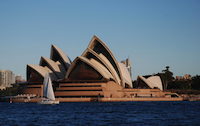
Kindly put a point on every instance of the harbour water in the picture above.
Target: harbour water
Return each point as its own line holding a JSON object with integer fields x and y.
{"x": 101, "y": 113}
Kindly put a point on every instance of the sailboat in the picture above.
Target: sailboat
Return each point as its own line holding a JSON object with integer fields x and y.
{"x": 48, "y": 94}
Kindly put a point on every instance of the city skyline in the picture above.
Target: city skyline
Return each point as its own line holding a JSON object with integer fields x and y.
{"x": 153, "y": 34}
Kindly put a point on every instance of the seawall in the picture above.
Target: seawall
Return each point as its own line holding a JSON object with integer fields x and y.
{"x": 101, "y": 99}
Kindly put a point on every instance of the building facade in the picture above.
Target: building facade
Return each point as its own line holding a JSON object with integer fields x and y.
{"x": 7, "y": 77}
{"x": 2, "y": 78}
{"x": 185, "y": 77}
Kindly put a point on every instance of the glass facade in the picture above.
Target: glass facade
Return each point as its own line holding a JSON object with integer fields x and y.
{"x": 82, "y": 71}
{"x": 142, "y": 84}
{"x": 34, "y": 76}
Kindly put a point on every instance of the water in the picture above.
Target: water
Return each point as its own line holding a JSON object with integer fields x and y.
{"x": 110, "y": 113}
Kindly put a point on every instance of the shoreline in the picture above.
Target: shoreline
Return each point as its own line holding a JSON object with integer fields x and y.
{"x": 182, "y": 97}
{"x": 34, "y": 100}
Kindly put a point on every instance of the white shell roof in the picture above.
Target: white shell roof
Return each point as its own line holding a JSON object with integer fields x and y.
{"x": 63, "y": 55}
{"x": 146, "y": 81}
{"x": 53, "y": 66}
{"x": 153, "y": 81}
{"x": 96, "y": 67}
{"x": 42, "y": 71}
{"x": 111, "y": 68}
{"x": 156, "y": 81}
{"x": 62, "y": 68}
{"x": 91, "y": 46}
{"x": 102, "y": 67}
{"x": 105, "y": 61}
{"x": 126, "y": 74}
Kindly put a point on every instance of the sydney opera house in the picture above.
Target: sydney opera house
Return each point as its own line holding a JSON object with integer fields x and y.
{"x": 94, "y": 74}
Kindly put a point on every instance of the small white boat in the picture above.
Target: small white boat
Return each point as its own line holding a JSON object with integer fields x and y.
{"x": 47, "y": 101}
{"x": 48, "y": 94}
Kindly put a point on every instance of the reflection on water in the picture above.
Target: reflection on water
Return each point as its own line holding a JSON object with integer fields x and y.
{"x": 110, "y": 113}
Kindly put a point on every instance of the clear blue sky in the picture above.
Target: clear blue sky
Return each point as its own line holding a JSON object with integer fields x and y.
{"x": 153, "y": 33}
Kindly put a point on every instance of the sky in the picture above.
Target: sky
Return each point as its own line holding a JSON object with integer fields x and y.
{"x": 152, "y": 33}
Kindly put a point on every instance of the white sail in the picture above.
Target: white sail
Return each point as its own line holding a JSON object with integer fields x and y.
{"x": 45, "y": 82}
{"x": 47, "y": 87}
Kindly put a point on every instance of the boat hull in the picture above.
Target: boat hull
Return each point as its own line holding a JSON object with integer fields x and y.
{"x": 48, "y": 102}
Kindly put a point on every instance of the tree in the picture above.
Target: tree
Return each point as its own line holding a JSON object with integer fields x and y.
{"x": 167, "y": 77}
{"x": 196, "y": 82}
{"x": 182, "y": 84}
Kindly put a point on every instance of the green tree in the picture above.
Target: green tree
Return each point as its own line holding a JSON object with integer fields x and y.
{"x": 182, "y": 85}
{"x": 196, "y": 82}
{"x": 167, "y": 77}
{"x": 9, "y": 91}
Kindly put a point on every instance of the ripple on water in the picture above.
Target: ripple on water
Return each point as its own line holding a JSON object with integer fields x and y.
{"x": 114, "y": 113}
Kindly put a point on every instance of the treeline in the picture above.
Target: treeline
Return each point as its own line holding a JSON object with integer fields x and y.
{"x": 9, "y": 91}
{"x": 196, "y": 82}
{"x": 183, "y": 85}
{"x": 193, "y": 84}
{"x": 169, "y": 81}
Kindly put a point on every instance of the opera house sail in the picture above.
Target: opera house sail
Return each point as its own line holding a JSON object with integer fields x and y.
{"x": 57, "y": 66}
{"x": 94, "y": 74}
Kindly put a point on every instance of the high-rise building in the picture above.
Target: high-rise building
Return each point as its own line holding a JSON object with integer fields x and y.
{"x": 128, "y": 65}
{"x": 7, "y": 77}
{"x": 2, "y": 78}
{"x": 10, "y": 78}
